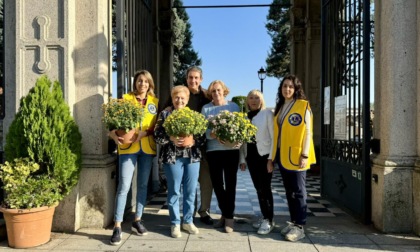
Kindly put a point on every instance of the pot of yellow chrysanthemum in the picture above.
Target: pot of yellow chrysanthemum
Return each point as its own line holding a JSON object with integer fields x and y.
{"x": 124, "y": 116}
{"x": 185, "y": 123}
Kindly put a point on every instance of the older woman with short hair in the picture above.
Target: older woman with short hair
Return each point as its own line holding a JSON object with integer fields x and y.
{"x": 223, "y": 160}
{"x": 181, "y": 163}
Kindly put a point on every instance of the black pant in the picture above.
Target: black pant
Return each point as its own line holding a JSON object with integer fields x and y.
{"x": 257, "y": 166}
{"x": 224, "y": 164}
{"x": 295, "y": 185}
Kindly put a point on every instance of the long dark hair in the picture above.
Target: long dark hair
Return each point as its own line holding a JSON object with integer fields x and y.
{"x": 298, "y": 94}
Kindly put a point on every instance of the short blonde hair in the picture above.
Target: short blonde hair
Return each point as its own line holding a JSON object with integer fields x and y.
{"x": 180, "y": 89}
{"x": 224, "y": 87}
{"x": 257, "y": 93}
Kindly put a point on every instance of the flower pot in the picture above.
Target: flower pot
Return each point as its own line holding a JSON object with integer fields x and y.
{"x": 235, "y": 145}
{"x": 188, "y": 140}
{"x": 28, "y": 227}
{"x": 128, "y": 137}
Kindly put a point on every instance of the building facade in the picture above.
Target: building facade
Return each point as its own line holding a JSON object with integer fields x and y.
{"x": 71, "y": 41}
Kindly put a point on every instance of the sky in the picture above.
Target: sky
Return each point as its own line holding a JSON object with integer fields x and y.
{"x": 233, "y": 44}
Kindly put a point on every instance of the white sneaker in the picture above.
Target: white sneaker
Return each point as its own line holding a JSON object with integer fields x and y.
{"x": 266, "y": 227}
{"x": 286, "y": 229}
{"x": 190, "y": 228}
{"x": 295, "y": 234}
{"x": 258, "y": 223}
{"x": 176, "y": 231}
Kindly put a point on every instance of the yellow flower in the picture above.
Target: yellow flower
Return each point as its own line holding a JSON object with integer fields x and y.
{"x": 122, "y": 114}
{"x": 184, "y": 122}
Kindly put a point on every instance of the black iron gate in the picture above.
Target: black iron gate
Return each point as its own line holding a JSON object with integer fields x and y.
{"x": 346, "y": 131}
{"x": 134, "y": 37}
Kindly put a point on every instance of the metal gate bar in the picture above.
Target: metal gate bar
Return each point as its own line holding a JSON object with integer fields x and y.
{"x": 345, "y": 139}
{"x": 134, "y": 37}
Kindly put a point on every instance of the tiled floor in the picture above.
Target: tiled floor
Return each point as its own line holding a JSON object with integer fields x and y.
{"x": 247, "y": 201}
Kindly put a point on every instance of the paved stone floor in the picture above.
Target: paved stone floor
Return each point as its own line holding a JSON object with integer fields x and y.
{"x": 328, "y": 229}
{"x": 247, "y": 201}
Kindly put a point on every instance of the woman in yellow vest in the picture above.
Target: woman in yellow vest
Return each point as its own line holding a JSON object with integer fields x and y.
{"x": 293, "y": 150}
{"x": 140, "y": 153}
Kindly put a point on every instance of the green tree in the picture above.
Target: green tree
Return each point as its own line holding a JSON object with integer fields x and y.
{"x": 241, "y": 101}
{"x": 278, "y": 27}
{"x": 184, "y": 53}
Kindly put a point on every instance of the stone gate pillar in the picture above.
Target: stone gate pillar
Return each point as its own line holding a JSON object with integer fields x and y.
{"x": 416, "y": 174}
{"x": 70, "y": 41}
{"x": 396, "y": 115}
{"x": 305, "y": 60}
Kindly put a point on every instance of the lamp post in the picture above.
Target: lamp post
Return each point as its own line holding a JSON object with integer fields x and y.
{"x": 261, "y": 75}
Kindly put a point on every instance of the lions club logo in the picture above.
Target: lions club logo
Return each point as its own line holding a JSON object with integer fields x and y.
{"x": 295, "y": 119}
{"x": 152, "y": 109}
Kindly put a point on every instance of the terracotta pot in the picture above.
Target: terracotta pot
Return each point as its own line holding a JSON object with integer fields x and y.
{"x": 188, "y": 140}
{"x": 28, "y": 228}
{"x": 232, "y": 145}
{"x": 129, "y": 137}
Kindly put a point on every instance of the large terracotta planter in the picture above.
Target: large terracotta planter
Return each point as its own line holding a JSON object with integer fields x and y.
{"x": 28, "y": 227}
{"x": 128, "y": 137}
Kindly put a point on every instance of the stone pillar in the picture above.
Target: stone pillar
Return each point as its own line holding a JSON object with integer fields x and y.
{"x": 396, "y": 87}
{"x": 70, "y": 42}
{"x": 416, "y": 174}
{"x": 306, "y": 53}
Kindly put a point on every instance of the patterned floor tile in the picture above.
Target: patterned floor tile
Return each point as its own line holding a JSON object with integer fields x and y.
{"x": 247, "y": 201}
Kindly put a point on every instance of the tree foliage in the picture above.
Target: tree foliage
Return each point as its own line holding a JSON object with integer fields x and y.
{"x": 45, "y": 131}
{"x": 184, "y": 53}
{"x": 278, "y": 27}
{"x": 241, "y": 101}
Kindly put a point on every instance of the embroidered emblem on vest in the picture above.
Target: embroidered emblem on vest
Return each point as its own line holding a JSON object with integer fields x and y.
{"x": 152, "y": 109}
{"x": 295, "y": 119}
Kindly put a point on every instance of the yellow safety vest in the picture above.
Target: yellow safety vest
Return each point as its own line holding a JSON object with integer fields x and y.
{"x": 147, "y": 144}
{"x": 292, "y": 136}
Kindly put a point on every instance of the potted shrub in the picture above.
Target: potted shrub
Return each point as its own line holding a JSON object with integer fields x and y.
{"x": 43, "y": 154}
{"x": 123, "y": 116}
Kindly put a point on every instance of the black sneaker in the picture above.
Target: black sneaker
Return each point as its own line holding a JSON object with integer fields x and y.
{"x": 116, "y": 236}
{"x": 207, "y": 220}
{"x": 139, "y": 227}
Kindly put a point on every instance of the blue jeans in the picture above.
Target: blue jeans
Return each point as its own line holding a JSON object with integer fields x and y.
{"x": 127, "y": 164}
{"x": 186, "y": 173}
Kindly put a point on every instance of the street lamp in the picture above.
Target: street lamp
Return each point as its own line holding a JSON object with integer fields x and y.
{"x": 261, "y": 75}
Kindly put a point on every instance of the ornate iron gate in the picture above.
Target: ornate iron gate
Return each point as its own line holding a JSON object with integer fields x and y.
{"x": 346, "y": 134}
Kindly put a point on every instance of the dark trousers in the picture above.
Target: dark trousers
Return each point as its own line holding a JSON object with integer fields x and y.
{"x": 223, "y": 173}
{"x": 295, "y": 185}
{"x": 257, "y": 166}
